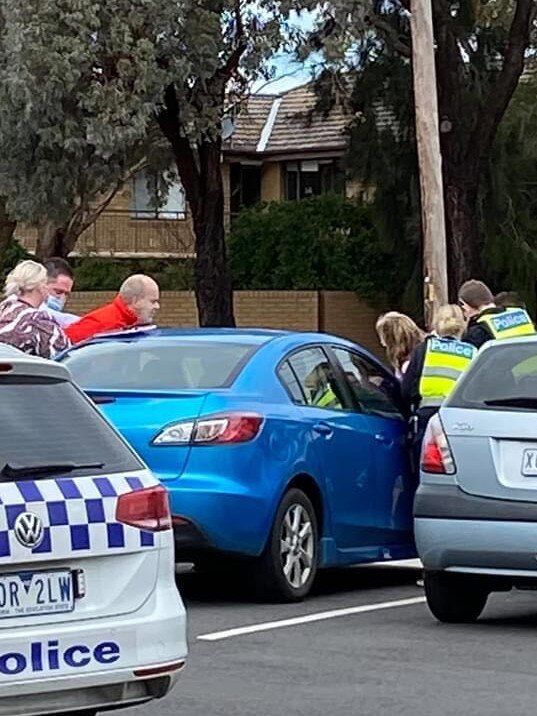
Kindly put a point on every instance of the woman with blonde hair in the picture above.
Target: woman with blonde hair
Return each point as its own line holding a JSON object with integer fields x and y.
{"x": 22, "y": 324}
{"x": 399, "y": 336}
{"x": 434, "y": 369}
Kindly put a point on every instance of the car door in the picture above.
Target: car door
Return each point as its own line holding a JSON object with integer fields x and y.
{"x": 390, "y": 489}
{"x": 340, "y": 440}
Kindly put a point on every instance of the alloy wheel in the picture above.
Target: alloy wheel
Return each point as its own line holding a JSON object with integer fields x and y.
{"x": 297, "y": 546}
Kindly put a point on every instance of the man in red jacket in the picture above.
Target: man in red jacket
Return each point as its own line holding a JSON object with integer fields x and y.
{"x": 135, "y": 305}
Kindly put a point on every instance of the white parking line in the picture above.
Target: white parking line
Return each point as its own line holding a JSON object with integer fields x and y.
{"x": 308, "y": 618}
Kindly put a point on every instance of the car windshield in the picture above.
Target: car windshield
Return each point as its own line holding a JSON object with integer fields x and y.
{"x": 49, "y": 426}
{"x": 503, "y": 378}
{"x": 158, "y": 365}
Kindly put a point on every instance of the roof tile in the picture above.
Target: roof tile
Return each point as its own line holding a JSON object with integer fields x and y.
{"x": 296, "y": 127}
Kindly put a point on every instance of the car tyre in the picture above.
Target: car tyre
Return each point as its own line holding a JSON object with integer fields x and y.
{"x": 286, "y": 570}
{"x": 454, "y": 599}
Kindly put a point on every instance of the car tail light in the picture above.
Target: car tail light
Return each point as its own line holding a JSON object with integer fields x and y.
{"x": 147, "y": 509}
{"x": 215, "y": 430}
{"x": 436, "y": 456}
{"x": 156, "y": 670}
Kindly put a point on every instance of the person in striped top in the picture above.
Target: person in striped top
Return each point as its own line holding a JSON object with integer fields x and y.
{"x": 22, "y": 324}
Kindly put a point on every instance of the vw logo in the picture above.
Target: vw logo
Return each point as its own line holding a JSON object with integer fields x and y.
{"x": 29, "y": 530}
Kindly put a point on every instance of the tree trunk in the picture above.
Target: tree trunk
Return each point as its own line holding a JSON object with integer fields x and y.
{"x": 7, "y": 229}
{"x": 462, "y": 232}
{"x": 199, "y": 167}
{"x": 50, "y": 241}
{"x": 214, "y": 294}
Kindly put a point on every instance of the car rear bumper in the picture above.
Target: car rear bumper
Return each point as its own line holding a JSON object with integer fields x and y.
{"x": 450, "y": 502}
{"x": 53, "y": 668}
{"x": 494, "y": 547}
{"x": 231, "y": 520}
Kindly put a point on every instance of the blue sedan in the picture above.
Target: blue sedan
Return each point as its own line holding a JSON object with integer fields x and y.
{"x": 288, "y": 449}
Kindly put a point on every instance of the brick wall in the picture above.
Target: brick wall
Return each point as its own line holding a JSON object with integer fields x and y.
{"x": 339, "y": 312}
{"x": 344, "y": 314}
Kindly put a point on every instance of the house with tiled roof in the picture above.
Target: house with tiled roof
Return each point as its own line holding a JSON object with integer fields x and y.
{"x": 279, "y": 148}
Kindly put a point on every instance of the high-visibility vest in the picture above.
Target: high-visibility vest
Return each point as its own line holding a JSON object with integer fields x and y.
{"x": 511, "y": 323}
{"x": 445, "y": 361}
{"x": 326, "y": 399}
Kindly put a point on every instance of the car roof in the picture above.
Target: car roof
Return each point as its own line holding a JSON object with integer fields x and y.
{"x": 15, "y": 362}
{"x": 251, "y": 336}
{"x": 517, "y": 340}
{"x": 257, "y": 337}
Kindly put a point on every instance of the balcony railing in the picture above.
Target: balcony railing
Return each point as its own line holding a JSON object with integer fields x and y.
{"x": 119, "y": 233}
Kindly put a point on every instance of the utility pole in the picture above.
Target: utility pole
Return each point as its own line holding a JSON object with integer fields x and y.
{"x": 430, "y": 159}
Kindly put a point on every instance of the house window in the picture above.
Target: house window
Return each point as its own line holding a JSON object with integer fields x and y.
{"x": 245, "y": 185}
{"x": 158, "y": 197}
{"x": 312, "y": 178}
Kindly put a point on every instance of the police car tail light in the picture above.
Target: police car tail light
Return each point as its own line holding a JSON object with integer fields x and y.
{"x": 213, "y": 430}
{"x": 436, "y": 456}
{"x": 147, "y": 509}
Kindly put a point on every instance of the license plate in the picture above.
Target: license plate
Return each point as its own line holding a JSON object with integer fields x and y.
{"x": 529, "y": 463}
{"x": 27, "y": 593}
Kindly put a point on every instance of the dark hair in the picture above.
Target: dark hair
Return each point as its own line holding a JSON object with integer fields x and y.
{"x": 509, "y": 299}
{"x": 475, "y": 294}
{"x": 57, "y": 266}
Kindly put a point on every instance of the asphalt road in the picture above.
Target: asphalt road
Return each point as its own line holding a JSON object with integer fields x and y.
{"x": 384, "y": 655}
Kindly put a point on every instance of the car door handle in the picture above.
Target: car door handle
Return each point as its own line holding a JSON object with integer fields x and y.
{"x": 384, "y": 439}
{"x": 323, "y": 429}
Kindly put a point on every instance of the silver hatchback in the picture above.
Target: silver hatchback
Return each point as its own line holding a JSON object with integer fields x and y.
{"x": 476, "y": 505}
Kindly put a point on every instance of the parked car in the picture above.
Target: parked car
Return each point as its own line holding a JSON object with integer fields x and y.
{"x": 476, "y": 506}
{"x": 90, "y": 616}
{"x": 285, "y": 448}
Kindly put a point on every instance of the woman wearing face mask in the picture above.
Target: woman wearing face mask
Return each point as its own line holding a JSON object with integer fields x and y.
{"x": 22, "y": 324}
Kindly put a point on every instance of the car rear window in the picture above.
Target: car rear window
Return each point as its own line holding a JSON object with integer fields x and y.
{"x": 48, "y": 421}
{"x": 150, "y": 365}
{"x": 503, "y": 377}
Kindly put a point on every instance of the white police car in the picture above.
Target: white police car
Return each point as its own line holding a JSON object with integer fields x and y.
{"x": 90, "y": 616}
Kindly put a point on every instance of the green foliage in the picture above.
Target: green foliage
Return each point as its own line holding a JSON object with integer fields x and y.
{"x": 382, "y": 154}
{"x": 508, "y": 209}
{"x": 13, "y": 255}
{"x": 326, "y": 242}
{"x": 105, "y": 274}
{"x": 79, "y": 82}
{"x": 474, "y": 43}
{"x": 96, "y": 274}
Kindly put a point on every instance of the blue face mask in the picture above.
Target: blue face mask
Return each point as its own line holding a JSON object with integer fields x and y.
{"x": 55, "y": 303}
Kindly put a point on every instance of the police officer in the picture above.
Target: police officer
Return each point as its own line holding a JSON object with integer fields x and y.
{"x": 509, "y": 299}
{"x": 486, "y": 320}
{"x": 434, "y": 368}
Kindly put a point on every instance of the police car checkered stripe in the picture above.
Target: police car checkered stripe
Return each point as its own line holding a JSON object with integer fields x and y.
{"x": 77, "y": 513}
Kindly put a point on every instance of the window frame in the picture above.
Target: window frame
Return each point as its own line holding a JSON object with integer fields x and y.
{"x": 155, "y": 213}
{"x": 336, "y": 175}
{"x": 361, "y": 408}
{"x": 349, "y": 402}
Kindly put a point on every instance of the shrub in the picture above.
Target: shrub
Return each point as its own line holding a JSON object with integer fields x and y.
{"x": 107, "y": 274}
{"x": 13, "y": 255}
{"x": 327, "y": 242}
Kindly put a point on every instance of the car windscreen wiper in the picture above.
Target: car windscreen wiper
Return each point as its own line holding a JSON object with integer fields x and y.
{"x": 514, "y": 402}
{"x": 12, "y": 472}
